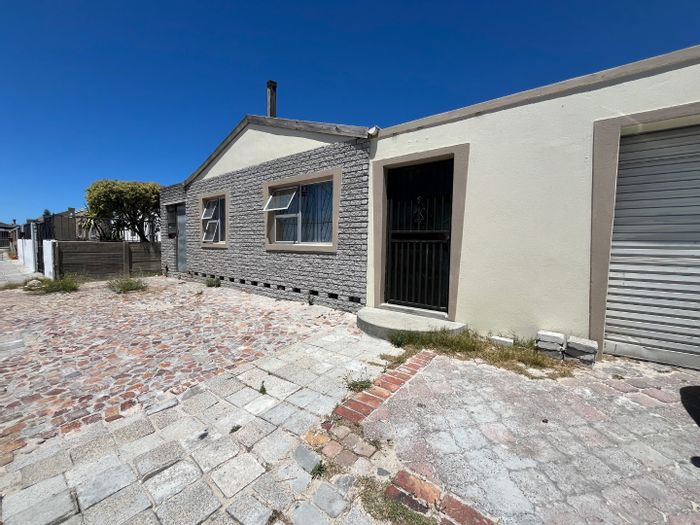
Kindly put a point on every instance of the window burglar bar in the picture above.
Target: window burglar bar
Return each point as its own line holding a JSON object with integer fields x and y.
{"x": 302, "y": 214}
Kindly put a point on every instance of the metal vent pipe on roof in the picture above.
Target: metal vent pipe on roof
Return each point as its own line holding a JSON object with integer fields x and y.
{"x": 271, "y": 98}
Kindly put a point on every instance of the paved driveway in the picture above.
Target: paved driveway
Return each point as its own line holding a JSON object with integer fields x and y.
{"x": 67, "y": 360}
{"x": 614, "y": 444}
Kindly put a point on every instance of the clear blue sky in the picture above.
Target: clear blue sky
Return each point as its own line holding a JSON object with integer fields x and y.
{"x": 144, "y": 90}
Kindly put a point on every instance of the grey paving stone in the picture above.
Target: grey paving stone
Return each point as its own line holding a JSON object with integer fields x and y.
{"x": 357, "y": 516}
{"x": 93, "y": 449}
{"x": 279, "y": 388}
{"x": 191, "y": 506}
{"x": 296, "y": 375}
{"x": 243, "y": 396}
{"x": 85, "y": 472}
{"x": 213, "y": 454}
{"x": 275, "y": 446}
{"x": 306, "y": 458}
{"x": 129, "y": 451}
{"x": 198, "y": 403}
{"x": 290, "y": 472}
{"x": 32, "y": 496}
{"x": 279, "y": 414}
{"x": 236, "y": 473}
{"x": 323, "y": 405}
{"x": 172, "y": 480}
{"x": 300, "y": 422}
{"x": 306, "y": 514}
{"x": 46, "y": 450}
{"x": 183, "y": 429}
{"x": 277, "y": 494}
{"x": 119, "y": 507}
{"x": 157, "y": 459}
{"x": 77, "y": 519}
{"x": 147, "y": 517}
{"x": 248, "y": 510}
{"x": 220, "y": 518}
{"x": 253, "y": 377}
{"x": 234, "y": 417}
{"x": 303, "y": 397}
{"x": 224, "y": 385}
{"x": 45, "y": 468}
{"x": 252, "y": 432}
{"x": 160, "y": 406}
{"x": 136, "y": 430}
{"x": 166, "y": 417}
{"x": 215, "y": 412}
{"x": 53, "y": 509}
{"x": 344, "y": 483}
{"x": 261, "y": 404}
{"x": 94, "y": 489}
{"x": 328, "y": 499}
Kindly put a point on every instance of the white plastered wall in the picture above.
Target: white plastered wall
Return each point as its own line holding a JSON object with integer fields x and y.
{"x": 257, "y": 144}
{"x": 526, "y": 245}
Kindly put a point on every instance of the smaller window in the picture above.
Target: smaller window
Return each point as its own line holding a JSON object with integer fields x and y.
{"x": 214, "y": 220}
{"x": 280, "y": 200}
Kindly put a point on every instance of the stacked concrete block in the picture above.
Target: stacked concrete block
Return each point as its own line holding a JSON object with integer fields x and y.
{"x": 551, "y": 343}
{"x": 582, "y": 349}
{"x": 501, "y": 341}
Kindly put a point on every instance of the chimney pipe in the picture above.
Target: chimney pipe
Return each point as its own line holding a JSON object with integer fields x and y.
{"x": 271, "y": 98}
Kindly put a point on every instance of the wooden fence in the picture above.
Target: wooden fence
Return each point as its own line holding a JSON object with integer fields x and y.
{"x": 106, "y": 259}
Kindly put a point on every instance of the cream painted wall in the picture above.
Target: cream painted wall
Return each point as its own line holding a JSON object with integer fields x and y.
{"x": 526, "y": 245}
{"x": 260, "y": 144}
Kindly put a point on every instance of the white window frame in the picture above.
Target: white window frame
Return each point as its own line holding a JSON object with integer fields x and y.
{"x": 215, "y": 222}
{"x": 296, "y": 189}
{"x": 208, "y": 212}
{"x": 298, "y": 192}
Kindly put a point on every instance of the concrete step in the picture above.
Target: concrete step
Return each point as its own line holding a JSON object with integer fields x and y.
{"x": 381, "y": 322}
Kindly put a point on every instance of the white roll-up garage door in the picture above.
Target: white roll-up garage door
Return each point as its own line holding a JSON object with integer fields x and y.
{"x": 653, "y": 303}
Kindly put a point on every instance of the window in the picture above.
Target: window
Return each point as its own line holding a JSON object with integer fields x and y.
{"x": 302, "y": 213}
{"x": 214, "y": 220}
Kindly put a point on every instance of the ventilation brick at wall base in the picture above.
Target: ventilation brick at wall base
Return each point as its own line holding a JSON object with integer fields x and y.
{"x": 347, "y": 303}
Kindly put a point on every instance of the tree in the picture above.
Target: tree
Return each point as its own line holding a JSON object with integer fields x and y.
{"x": 124, "y": 204}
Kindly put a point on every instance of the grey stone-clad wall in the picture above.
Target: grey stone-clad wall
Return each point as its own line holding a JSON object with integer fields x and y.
{"x": 342, "y": 273}
{"x": 168, "y": 195}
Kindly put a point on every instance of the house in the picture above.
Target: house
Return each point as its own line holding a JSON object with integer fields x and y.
{"x": 573, "y": 207}
{"x": 8, "y": 234}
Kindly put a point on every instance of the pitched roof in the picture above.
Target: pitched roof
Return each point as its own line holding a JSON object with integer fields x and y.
{"x": 341, "y": 130}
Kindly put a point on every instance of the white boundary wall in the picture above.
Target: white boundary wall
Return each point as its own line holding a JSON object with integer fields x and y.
{"x": 27, "y": 254}
{"x": 48, "y": 255}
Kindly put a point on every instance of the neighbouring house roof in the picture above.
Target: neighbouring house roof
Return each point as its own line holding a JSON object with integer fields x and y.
{"x": 6, "y": 226}
{"x": 339, "y": 130}
{"x": 609, "y": 77}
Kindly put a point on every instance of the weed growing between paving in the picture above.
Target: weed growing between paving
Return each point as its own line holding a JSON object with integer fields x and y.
{"x": 319, "y": 470}
{"x": 126, "y": 284}
{"x": 382, "y": 508}
{"x": 521, "y": 358}
{"x": 67, "y": 283}
{"x": 213, "y": 282}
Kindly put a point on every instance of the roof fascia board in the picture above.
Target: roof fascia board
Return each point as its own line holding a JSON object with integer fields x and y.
{"x": 617, "y": 75}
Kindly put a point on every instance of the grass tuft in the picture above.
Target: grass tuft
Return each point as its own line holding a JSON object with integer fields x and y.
{"x": 67, "y": 283}
{"x": 262, "y": 388}
{"x": 520, "y": 358}
{"x": 382, "y": 508}
{"x": 213, "y": 282}
{"x": 126, "y": 284}
{"x": 319, "y": 470}
{"x": 357, "y": 385}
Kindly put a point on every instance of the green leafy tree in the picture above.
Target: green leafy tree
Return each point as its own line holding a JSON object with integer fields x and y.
{"x": 123, "y": 204}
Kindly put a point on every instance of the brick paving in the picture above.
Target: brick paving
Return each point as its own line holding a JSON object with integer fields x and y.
{"x": 67, "y": 360}
{"x": 235, "y": 448}
{"x": 233, "y": 420}
{"x": 613, "y": 444}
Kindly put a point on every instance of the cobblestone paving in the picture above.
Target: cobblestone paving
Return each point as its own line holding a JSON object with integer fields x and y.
{"x": 613, "y": 444}
{"x": 233, "y": 449}
{"x": 68, "y": 360}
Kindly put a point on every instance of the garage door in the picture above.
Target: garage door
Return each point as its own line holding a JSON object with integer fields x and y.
{"x": 653, "y": 304}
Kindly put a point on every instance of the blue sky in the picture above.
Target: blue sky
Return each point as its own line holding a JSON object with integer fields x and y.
{"x": 145, "y": 90}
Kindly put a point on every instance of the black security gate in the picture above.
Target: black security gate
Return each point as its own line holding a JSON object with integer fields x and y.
{"x": 419, "y": 212}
